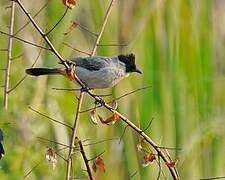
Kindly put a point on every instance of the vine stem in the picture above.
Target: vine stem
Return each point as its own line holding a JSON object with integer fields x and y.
{"x": 9, "y": 57}
{"x": 108, "y": 12}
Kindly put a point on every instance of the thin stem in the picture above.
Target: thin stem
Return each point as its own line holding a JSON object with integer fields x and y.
{"x": 54, "y": 120}
{"x": 25, "y": 76}
{"x": 75, "y": 49}
{"x": 76, "y": 121}
{"x": 64, "y": 14}
{"x": 42, "y": 34}
{"x": 28, "y": 22}
{"x": 9, "y": 57}
{"x": 85, "y": 160}
{"x": 102, "y": 27}
{"x": 55, "y": 142}
{"x": 86, "y": 29}
{"x": 27, "y": 42}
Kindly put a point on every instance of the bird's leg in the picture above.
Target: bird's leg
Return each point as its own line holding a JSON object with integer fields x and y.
{"x": 85, "y": 89}
{"x": 70, "y": 72}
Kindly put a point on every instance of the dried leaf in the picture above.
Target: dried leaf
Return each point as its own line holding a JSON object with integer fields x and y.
{"x": 94, "y": 167}
{"x": 148, "y": 158}
{"x": 111, "y": 120}
{"x": 139, "y": 147}
{"x": 114, "y": 105}
{"x": 94, "y": 116}
{"x": 51, "y": 157}
{"x": 69, "y": 3}
{"x": 71, "y": 28}
{"x": 172, "y": 164}
{"x": 99, "y": 162}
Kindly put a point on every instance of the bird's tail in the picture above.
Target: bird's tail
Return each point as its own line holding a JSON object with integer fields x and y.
{"x": 44, "y": 71}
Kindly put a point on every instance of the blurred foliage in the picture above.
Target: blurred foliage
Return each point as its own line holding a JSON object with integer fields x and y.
{"x": 179, "y": 45}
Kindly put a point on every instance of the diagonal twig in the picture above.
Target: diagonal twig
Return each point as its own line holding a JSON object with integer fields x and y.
{"x": 28, "y": 22}
{"x": 27, "y": 42}
{"x": 85, "y": 160}
{"x": 54, "y": 120}
{"x": 42, "y": 34}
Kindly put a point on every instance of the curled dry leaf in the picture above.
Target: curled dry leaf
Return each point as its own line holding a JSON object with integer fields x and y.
{"x": 69, "y": 3}
{"x": 139, "y": 147}
{"x": 94, "y": 116}
{"x": 71, "y": 28}
{"x": 94, "y": 167}
{"x": 51, "y": 157}
{"x": 114, "y": 105}
{"x": 100, "y": 164}
{"x": 148, "y": 158}
{"x": 172, "y": 164}
{"x": 111, "y": 120}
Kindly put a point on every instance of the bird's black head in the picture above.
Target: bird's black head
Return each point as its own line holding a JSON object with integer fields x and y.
{"x": 129, "y": 61}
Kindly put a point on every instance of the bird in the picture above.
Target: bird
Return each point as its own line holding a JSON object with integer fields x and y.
{"x": 2, "y": 151}
{"x": 96, "y": 72}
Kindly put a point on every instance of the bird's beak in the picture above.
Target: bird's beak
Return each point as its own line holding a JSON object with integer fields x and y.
{"x": 138, "y": 71}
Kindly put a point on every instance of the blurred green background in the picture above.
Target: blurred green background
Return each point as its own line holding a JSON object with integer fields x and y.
{"x": 179, "y": 45}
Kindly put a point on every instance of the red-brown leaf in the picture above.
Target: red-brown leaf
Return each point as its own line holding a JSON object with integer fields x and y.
{"x": 69, "y": 3}
{"x": 148, "y": 158}
{"x": 99, "y": 162}
{"x": 110, "y": 120}
{"x": 51, "y": 157}
{"x": 172, "y": 164}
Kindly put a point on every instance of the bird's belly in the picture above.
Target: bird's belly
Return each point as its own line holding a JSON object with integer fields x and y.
{"x": 100, "y": 79}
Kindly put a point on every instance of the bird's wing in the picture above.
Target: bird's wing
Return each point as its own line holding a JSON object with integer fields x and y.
{"x": 93, "y": 63}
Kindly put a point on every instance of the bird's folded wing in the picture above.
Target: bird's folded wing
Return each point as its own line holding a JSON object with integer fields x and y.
{"x": 93, "y": 63}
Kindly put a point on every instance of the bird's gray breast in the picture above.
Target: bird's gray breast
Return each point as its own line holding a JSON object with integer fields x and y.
{"x": 102, "y": 78}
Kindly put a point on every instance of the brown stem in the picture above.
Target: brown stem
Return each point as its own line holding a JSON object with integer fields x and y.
{"x": 172, "y": 170}
{"x": 85, "y": 160}
{"x": 42, "y": 34}
{"x": 27, "y": 42}
{"x": 9, "y": 56}
{"x": 102, "y": 27}
{"x": 28, "y": 22}
{"x": 76, "y": 121}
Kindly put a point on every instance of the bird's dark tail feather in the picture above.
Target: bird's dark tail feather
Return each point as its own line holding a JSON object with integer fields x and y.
{"x": 44, "y": 71}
